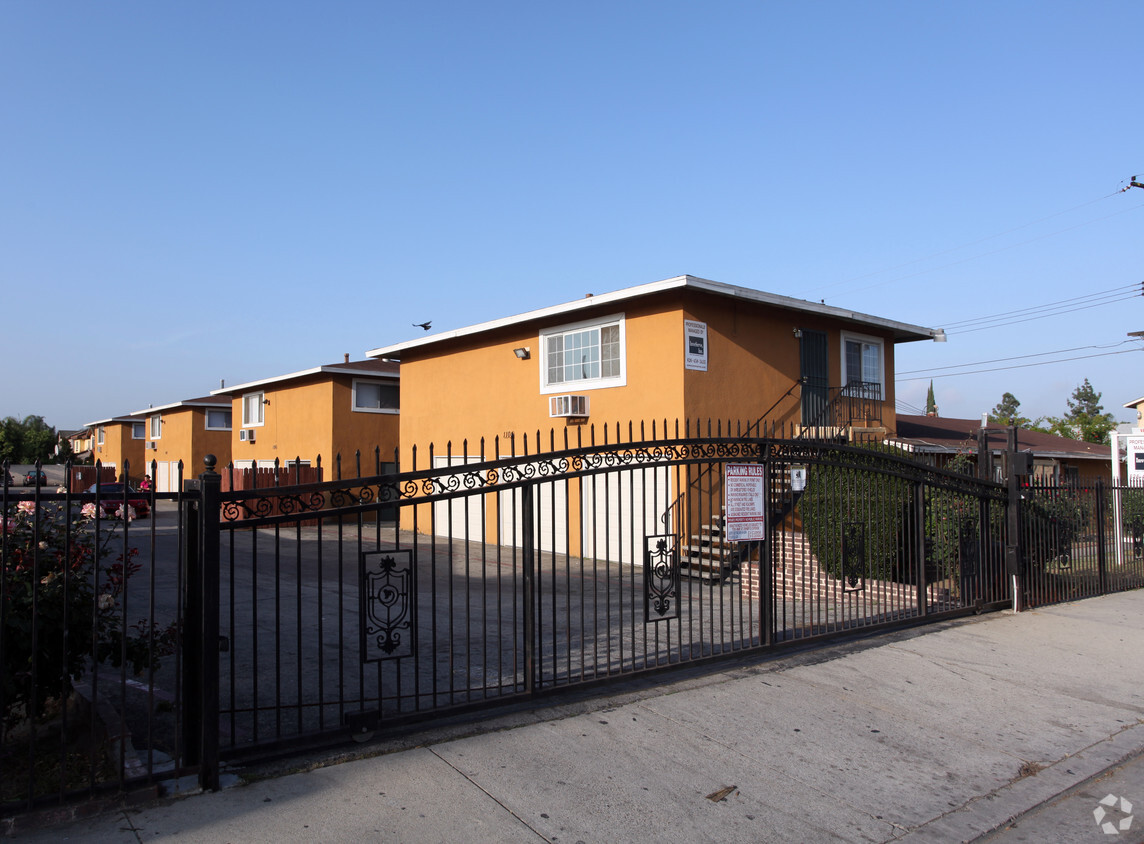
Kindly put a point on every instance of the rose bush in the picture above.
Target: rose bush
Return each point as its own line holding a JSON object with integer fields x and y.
{"x": 61, "y": 606}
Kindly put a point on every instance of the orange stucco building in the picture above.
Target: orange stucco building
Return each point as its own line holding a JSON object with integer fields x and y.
{"x": 183, "y": 432}
{"x": 681, "y": 349}
{"x": 684, "y": 348}
{"x": 117, "y": 442}
{"x": 327, "y": 411}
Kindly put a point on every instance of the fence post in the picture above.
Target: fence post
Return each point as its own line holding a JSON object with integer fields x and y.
{"x": 528, "y": 564}
{"x": 919, "y": 520}
{"x": 1101, "y": 551}
{"x": 200, "y": 640}
{"x": 1014, "y": 556}
{"x": 766, "y": 572}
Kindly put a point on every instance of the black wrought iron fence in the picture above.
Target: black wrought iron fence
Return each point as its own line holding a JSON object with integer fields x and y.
{"x": 244, "y": 622}
{"x": 1073, "y": 546}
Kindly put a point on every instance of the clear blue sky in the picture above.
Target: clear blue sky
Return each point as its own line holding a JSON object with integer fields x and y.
{"x": 198, "y": 191}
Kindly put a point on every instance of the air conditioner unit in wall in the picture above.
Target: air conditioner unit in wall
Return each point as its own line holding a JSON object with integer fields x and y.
{"x": 151, "y": 445}
{"x": 246, "y": 435}
{"x": 568, "y": 406}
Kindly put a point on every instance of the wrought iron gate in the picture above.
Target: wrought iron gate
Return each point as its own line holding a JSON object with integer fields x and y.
{"x": 313, "y": 613}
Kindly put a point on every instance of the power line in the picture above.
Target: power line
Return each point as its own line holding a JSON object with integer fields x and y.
{"x": 1136, "y": 286}
{"x": 1017, "y": 366}
{"x": 1019, "y": 357}
{"x": 1066, "y": 309}
{"x": 900, "y": 405}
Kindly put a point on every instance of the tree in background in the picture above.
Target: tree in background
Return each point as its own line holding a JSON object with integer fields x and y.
{"x": 931, "y": 403}
{"x": 26, "y": 441}
{"x": 11, "y": 440}
{"x": 1086, "y": 419}
{"x": 1007, "y": 412}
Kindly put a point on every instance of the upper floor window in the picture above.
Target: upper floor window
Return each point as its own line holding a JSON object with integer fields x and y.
{"x": 99, "y": 436}
{"x": 156, "y": 423}
{"x": 862, "y": 365}
{"x": 583, "y": 356}
{"x": 252, "y": 409}
{"x": 138, "y": 431}
{"x": 218, "y": 420}
{"x": 375, "y": 397}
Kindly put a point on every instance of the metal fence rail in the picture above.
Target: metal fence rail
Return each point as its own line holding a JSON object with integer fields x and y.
{"x": 1070, "y": 541}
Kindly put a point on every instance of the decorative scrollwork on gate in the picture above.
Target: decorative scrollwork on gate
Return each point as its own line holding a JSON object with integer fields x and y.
{"x": 388, "y": 602}
{"x": 661, "y": 578}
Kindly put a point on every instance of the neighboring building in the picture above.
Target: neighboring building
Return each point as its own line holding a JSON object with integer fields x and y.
{"x": 1055, "y": 459}
{"x": 80, "y": 443}
{"x": 338, "y": 409}
{"x": 663, "y": 353}
{"x": 117, "y": 441}
{"x": 184, "y": 431}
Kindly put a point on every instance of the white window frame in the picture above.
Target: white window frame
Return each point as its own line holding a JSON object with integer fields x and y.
{"x": 865, "y": 339}
{"x": 99, "y": 434}
{"x": 141, "y": 427}
{"x": 384, "y": 383}
{"x": 576, "y": 386}
{"x": 207, "y": 419}
{"x": 260, "y": 404}
{"x": 155, "y": 427}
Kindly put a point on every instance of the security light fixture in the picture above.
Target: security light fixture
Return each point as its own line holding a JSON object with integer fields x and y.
{"x": 522, "y": 352}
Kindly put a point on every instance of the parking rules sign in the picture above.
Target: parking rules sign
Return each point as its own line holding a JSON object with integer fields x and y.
{"x": 745, "y": 518}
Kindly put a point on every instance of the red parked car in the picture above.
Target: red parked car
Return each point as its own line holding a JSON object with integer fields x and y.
{"x": 111, "y": 499}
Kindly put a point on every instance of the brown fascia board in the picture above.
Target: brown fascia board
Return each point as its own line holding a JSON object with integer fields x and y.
{"x": 114, "y": 420}
{"x": 205, "y": 401}
{"x": 900, "y": 332}
{"x": 375, "y": 368}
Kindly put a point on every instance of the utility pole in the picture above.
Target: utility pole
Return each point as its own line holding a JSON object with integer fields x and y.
{"x": 1134, "y": 182}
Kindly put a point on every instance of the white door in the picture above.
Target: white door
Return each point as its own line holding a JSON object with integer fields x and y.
{"x": 550, "y": 516}
{"x": 621, "y": 508}
{"x": 461, "y": 518}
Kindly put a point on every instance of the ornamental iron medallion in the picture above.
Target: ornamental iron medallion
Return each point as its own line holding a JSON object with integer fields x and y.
{"x": 388, "y": 598}
{"x": 661, "y": 578}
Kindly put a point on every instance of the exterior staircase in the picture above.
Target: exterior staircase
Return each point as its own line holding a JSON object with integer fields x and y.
{"x": 709, "y": 555}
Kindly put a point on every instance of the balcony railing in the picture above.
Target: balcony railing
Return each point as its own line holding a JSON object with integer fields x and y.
{"x": 856, "y": 405}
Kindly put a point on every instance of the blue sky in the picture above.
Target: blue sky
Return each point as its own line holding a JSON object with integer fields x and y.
{"x": 200, "y": 191}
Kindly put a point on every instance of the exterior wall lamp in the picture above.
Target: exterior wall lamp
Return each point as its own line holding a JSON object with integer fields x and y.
{"x": 522, "y": 352}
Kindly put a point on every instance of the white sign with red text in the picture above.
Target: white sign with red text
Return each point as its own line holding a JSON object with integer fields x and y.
{"x": 745, "y": 515}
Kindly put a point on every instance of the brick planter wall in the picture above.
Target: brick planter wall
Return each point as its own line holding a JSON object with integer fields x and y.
{"x": 797, "y": 577}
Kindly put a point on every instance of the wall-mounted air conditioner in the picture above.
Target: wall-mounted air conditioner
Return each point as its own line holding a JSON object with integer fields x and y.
{"x": 246, "y": 435}
{"x": 568, "y": 406}
{"x": 151, "y": 445}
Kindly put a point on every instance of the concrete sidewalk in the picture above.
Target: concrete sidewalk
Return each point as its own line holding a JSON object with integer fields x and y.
{"x": 1008, "y": 727}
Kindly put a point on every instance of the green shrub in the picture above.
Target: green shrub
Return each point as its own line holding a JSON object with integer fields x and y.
{"x": 856, "y": 497}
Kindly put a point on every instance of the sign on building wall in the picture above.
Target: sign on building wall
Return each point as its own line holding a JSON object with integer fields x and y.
{"x": 1135, "y": 460}
{"x": 695, "y": 336}
{"x": 745, "y": 518}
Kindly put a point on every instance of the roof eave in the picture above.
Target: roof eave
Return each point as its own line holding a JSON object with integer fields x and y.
{"x": 332, "y": 369}
{"x": 901, "y": 332}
